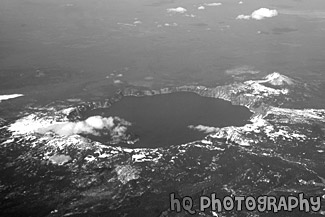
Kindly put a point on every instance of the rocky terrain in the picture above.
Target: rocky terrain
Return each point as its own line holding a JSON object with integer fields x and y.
{"x": 280, "y": 152}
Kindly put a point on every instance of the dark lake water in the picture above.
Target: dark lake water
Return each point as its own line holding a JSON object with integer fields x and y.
{"x": 163, "y": 120}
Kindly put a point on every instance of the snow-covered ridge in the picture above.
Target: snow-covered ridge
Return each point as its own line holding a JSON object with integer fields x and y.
{"x": 250, "y": 134}
{"x": 44, "y": 118}
{"x": 250, "y": 93}
{"x": 294, "y": 116}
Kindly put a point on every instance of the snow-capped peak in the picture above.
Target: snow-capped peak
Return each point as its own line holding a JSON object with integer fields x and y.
{"x": 277, "y": 79}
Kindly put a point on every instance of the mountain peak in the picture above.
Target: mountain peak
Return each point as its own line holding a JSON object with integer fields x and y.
{"x": 277, "y": 79}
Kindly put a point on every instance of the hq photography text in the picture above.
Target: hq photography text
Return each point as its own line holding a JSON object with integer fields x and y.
{"x": 262, "y": 203}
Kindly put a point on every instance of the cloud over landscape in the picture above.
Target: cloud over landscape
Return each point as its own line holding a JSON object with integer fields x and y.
{"x": 92, "y": 125}
{"x": 205, "y": 129}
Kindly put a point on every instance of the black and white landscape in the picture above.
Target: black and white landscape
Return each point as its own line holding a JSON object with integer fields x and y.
{"x": 108, "y": 107}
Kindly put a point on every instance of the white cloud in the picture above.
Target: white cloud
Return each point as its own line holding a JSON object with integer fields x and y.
{"x": 259, "y": 14}
{"x": 98, "y": 122}
{"x": 168, "y": 24}
{"x": 190, "y": 15}
{"x": 201, "y": 7}
{"x": 212, "y": 4}
{"x": 243, "y": 17}
{"x": 115, "y": 126}
{"x": 10, "y": 96}
{"x": 205, "y": 129}
{"x": 176, "y": 10}
{"x": 264, "y": 13}
{"x": 137, "y": 22}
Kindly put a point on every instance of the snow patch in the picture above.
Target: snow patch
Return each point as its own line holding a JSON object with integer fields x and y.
{"x": 30, "y": 124}
{"x": 60, "y": 159}
{"x": 10, "y": 96}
